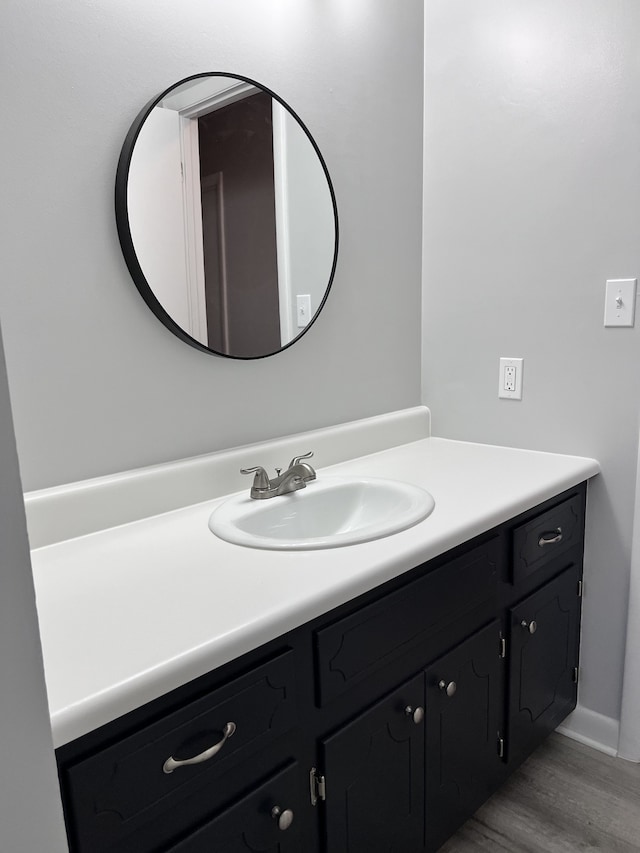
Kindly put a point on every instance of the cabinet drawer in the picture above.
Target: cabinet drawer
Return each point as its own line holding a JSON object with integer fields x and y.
{"x": 249, "y": 825}
{"x": 537, "y": 542}
{"x": 357, "y": 646}
{"x": 117, "y": 790}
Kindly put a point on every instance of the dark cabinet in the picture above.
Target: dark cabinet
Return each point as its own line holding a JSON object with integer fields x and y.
{"x": 359, "y": 645}
{"x": 547, "y": 535}
{"x": 264, "y": 821}
{"x": 376, "y": 728}
{"x": 544, "y": 630}
{"x": 375, "y": 764}
{"x": 464, "y": 692}
{"x": 165, "y": 765}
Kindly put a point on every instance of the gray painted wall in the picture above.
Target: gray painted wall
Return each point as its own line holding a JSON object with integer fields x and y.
{"x": 98, "y": 385}
{"x": 30, "y": 809}
{"x": 532, "y": 175}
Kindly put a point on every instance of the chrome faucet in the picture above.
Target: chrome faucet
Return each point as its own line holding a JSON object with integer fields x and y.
{"x": 297, "y": 475}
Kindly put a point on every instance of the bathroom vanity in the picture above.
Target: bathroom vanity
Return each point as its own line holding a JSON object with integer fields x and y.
{"x": 369, "y": 698}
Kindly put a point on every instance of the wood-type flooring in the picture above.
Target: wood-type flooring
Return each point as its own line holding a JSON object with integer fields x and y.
{"x": 566, "y": 798}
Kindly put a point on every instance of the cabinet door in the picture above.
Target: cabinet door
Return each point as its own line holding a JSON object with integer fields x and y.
{"x": 252, "y": 826}
{"x": 464, "y": 719}
{"x": 374, "y": 770}
{"x": 543, "y": 662}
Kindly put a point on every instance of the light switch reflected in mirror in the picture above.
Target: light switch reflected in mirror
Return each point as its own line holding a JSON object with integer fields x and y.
{"x": 227, "y": 216}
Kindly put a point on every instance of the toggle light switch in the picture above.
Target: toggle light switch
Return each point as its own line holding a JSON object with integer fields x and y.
{"x": 620, "y": 302}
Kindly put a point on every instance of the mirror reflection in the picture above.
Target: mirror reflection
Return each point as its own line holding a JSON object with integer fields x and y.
{"x": 227, "y": 216}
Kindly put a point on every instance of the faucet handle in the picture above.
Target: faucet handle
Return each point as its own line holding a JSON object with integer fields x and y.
{"x": 297, "y": 459}
{"x": 261, "y": 480}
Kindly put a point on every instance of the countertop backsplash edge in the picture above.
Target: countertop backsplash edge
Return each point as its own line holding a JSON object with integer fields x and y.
{"x": 76, "y": 509}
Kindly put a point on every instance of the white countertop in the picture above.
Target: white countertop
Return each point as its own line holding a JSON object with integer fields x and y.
{"x": 131, "y": 612}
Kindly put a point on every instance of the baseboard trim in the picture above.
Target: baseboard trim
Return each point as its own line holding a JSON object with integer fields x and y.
{"x": 592, "y": 729}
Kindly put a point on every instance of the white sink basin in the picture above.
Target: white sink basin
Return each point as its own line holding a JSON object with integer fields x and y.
{"x": 328, "y": 513}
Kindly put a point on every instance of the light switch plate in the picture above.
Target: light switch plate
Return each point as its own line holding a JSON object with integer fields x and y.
{"x": 303, "y": 309}
{"x": 620, "y": 302}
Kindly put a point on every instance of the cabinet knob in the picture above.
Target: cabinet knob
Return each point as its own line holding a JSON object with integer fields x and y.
{"x": 531, "y": 627}
{"x": 284, "y": 818}
{"x": 449, "y": 688}
{"x": 416, "y": 714}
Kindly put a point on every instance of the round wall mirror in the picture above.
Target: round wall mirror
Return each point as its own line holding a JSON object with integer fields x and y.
{"x": 227, "y": 216}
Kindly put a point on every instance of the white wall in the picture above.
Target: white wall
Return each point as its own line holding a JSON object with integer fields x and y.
{"x": 98, "y": 384}
{"x": 532, "y": 175}
{"x": 30, "y": 809}
{"x": 155, "y": 200}
{"x": 629, "y": 742}
{"x": 306, "y": 218}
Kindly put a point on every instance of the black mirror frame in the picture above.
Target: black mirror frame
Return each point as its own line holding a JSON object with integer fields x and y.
{"x": 124, "y": 230}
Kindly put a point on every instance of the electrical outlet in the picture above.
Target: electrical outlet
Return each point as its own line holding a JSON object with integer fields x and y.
{"x": 510, "y": 381}
{"x": 509, "y": 378}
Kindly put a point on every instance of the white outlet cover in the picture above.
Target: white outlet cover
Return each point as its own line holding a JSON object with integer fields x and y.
{"x": 503, "y": 393}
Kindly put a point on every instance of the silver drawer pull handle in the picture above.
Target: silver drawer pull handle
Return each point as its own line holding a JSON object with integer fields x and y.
{"x": 550, "y": 538}
{"x": 284, "y": 818}
{"x": 171, "y": 763}
{"x": 449, "y": 688}
{"x": 531, "y": 627}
